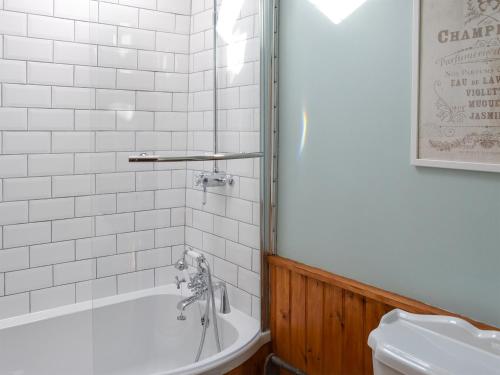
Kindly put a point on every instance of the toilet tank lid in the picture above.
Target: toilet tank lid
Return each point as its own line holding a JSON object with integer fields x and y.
{"x": 431, "y": 344}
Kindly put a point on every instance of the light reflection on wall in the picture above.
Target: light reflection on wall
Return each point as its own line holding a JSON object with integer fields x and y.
{"x": 304, "y": 132}
{"x": 227, "y": 29}
{"x": 337, "y": 10}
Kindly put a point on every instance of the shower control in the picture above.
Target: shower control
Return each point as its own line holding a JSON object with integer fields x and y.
{"x": 212, "y": 179}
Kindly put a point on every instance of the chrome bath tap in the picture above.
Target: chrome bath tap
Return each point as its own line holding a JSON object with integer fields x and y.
{"x": 202, "y": 288}
{"x": 200, "y": 285}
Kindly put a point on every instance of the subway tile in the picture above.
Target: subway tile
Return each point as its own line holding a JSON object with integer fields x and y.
{"x": 153, "y": 180}
{"x": 13, "y": 212}
{"x": 73, "y": 97}
{"x": 89, "y": 76}
{"x": 51, "y": 209}
{"x": 118, "y": 15}
{"x": 14, "y": 259}
{"x": 69, "y": 229}
{"x": 13, "y": 166}
{"x": 136, "y": 38}
{"x": 50, "y": 119}
{"x": 95, "y": 247}
{"x": 73, "y": 9}
{"x": 14, "y": 305}
{"x": 152, "y": 219}
{"x": 26, "y": 188}
{"x": 26, "y": 96}
{"x": 21, "y": 48}
{"x": 12, "y": 23}
{"x": 74, "y": 271}
{"x": 73, "y": 142}
{"x": 26, "y": 142}
{"x": 114, "y": 57}
{"x": 136, "y": 201}
{"x": 13, "y": 119}
{"x": 169, "y": 236}
{"x": 94, "y": 163}
{"x": 175, "y": 6}
{"x": 30, "y": 6}
{"x": 155, "y": 141}
{"x": 239, "y": 254}
{"x": 75, "y": 53}
{"x": 111, "y": 224}
{"x": 182, "y": 24}
{"x": 239, "y": 209}
{"x": 156, "y": 61}
{"x": 154, "y": 258}
{"x": 94, "y": 33}
{"x": 50, "y": 28}
{"x": 135, "y": 241}
{"x": 147, "y": 4}
{"x": 50, "y": 164}
{"x": 134, "y": 120}
{"x": 52, "y": 297}
{"x": 214, "y": 245}
{"x": 115, "y": 265}
{"x": 226, "y": 228}
{"x": 95, "y": 120}
{"x": 26, "y": 280}
{"x": 12, "y": 71}
{"x": 153, "y": 101}
{"x": 135, "y": 80}
{"x": 171, "y": 121}
{"x": 136, "y": 281}
{"x": 120, "y": 100}
{"x": 170, "y": 198}
{"x": 52, "y": 253}
{"x": 171, "y": 82}
{"x": 93, "y": 205}
{"x": 169, "y": 42}
{"x": 249, "y": 281}
{"x": 115, "y": 183}
{"x": 94, "y": 289}
{"x": 158, "y": 21}
{"x": 71, "y": 186}
{"x": 226, "y": 271}
{"x": 115, "y": 141}
{"x": 194, "y": 237}
{"x": 249, "y": 235}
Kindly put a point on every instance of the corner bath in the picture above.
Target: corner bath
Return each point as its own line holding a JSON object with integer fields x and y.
{"x": 130, "y": 334}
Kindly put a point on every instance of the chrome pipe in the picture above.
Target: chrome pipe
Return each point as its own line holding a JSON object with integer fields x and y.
{"x": 145, "y": 158}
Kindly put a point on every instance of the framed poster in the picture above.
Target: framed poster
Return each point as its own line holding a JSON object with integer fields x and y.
{"x": 456, "y": 84}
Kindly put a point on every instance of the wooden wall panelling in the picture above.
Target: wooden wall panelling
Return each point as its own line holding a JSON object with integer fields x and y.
{"x": 320, "y": 322}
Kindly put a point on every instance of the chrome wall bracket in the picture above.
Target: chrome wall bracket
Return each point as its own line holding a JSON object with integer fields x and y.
{"x": 212, "y": 179}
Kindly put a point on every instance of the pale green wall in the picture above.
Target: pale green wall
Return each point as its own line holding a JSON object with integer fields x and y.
{"x": 351, "y": 203}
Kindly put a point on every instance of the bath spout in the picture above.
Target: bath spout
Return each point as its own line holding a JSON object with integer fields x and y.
{"x": 185, "y": 303}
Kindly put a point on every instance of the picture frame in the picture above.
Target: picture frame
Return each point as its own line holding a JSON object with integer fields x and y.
{"x": 450, "y": 133}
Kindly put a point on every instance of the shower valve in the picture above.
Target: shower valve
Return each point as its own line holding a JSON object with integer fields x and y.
{"x": 212, "y": 179}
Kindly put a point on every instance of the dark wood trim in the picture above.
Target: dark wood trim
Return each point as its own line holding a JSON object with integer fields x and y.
{"x": 365, "y": 290}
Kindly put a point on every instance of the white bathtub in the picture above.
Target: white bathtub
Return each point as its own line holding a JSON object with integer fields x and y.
{"x": 130, "y": 334}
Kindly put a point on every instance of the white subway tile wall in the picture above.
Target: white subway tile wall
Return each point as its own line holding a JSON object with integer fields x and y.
{"x": 85, "y": 83}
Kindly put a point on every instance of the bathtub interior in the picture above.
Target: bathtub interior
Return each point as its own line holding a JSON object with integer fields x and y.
{"x": 159, "y": 343}
{"x": 134, "y": 334}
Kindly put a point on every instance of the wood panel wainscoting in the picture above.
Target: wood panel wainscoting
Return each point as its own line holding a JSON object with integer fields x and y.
{"x": 320, "y": 322}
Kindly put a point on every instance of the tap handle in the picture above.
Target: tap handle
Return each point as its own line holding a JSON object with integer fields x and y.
{"x": 178, "y": 281}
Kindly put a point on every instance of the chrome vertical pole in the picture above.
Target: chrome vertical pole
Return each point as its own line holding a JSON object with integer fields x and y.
{"x": 269, "y": 15}
{"x": 216, "y": 115}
